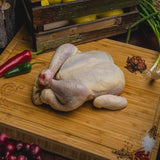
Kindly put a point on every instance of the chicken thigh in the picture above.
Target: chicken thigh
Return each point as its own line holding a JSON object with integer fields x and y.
{"x": 74, "y": 77}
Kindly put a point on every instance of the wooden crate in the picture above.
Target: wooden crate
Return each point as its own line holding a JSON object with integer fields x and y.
{"x": 39, "y": 18}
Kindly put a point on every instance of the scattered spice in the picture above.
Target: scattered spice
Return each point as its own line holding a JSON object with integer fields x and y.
{"x": 126, "y": 152}
{"x": 123, "y": 153}
{"x": 136, "y": 63}
{"x": 153, "y": 132}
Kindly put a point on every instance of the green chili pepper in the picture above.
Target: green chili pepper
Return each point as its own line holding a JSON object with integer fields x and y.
{"x": 20, "y": 69}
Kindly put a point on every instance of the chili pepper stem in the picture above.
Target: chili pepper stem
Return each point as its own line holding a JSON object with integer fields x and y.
{"x": 35, "y": 63}
{"x": 38, "y": 52}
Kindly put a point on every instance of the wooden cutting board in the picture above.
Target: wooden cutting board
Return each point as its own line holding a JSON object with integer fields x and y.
{"x": 86, "y": 133}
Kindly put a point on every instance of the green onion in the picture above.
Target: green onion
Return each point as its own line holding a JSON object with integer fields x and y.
{"x": 149, "y": 14}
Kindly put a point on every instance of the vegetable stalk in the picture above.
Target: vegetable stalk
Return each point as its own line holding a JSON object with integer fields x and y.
{"x": 149, "y": 14}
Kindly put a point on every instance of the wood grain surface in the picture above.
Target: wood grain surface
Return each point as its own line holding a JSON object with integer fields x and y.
{"x": 86, "y": 133}
{"x": 67, "y": 11}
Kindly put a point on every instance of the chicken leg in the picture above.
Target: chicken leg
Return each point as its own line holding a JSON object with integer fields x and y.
{"x": 66, "y": 95}
{"x": 60, "y": 56}
{"x": 111, "y": 102}
{"x": 45, "y": 77}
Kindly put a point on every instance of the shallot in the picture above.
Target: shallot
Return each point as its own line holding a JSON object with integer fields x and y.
{"x": 11, "y": 157}
{"x": 19, "y": 145}
{"x": 3, "y": 138}
{"x": 35, "y": 150}
{"x": 38, "y": 157}
{"x": 21, "y": 157}
{"x": 9, "y": 148}
{"x": 17, "y": 150}
{"x": 27, "y": 147}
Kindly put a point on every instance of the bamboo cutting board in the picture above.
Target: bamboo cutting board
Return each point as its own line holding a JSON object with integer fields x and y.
{"x": 86, "y": 133}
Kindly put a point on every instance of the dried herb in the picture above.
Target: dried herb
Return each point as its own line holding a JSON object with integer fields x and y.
{"x": 135, "y": 63}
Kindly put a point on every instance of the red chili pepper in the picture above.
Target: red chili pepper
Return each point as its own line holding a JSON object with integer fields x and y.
{"x": 25, "y": 56}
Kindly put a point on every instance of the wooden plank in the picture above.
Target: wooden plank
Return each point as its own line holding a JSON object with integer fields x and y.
{"x": 81, "y": 33}
{"x": 86, "y": 133}
{"x": 35, "y": 1}
{"x": 67, "y": 11}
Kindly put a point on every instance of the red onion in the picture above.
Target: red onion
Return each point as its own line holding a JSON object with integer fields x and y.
{"x": 19, "y": 145}
{"x": 38, "y": 157}
{"x": 27, "y": 147}
{"x": 11, "y": 157}
{"x": 9, "y": 148}
{"x": 3, "y": 138}
{"x": 1, "y": 149}
{"x": 21, "y": 157}
{"x": 2, "y": 158}
{"x": 35, "y": 150}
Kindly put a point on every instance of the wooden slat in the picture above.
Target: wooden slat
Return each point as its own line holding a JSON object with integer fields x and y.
{"x": 34, "y": 1}
{"x": 86, "y": 133}
{"x": 81, "y": 33}
{"x": 65, "y": 11}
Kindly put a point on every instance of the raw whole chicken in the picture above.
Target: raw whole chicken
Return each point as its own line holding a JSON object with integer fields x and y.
{"x": 74, "y": 77}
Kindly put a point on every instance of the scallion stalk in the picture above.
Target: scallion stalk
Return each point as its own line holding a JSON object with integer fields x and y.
{"x": 149, "y": 14}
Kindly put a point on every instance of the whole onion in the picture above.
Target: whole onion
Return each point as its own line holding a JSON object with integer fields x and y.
{"x": 35, "y": 150}
{"x": 2, "y": 158}
{"x": 11, "y": 157}
{"x": 38, "y": 157}
{"x": 27, "y": 147}
{"x": 19, "y": 145}
{"x": 9, "y": 148}
{"x": 1, "y": 149}
{"x": 3, "y": 138}
{"x": 21, "y": 157}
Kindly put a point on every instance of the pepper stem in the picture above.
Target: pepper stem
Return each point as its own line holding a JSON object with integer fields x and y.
{"x": 38, "y": 52}
{"x": 35, "y": 63}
